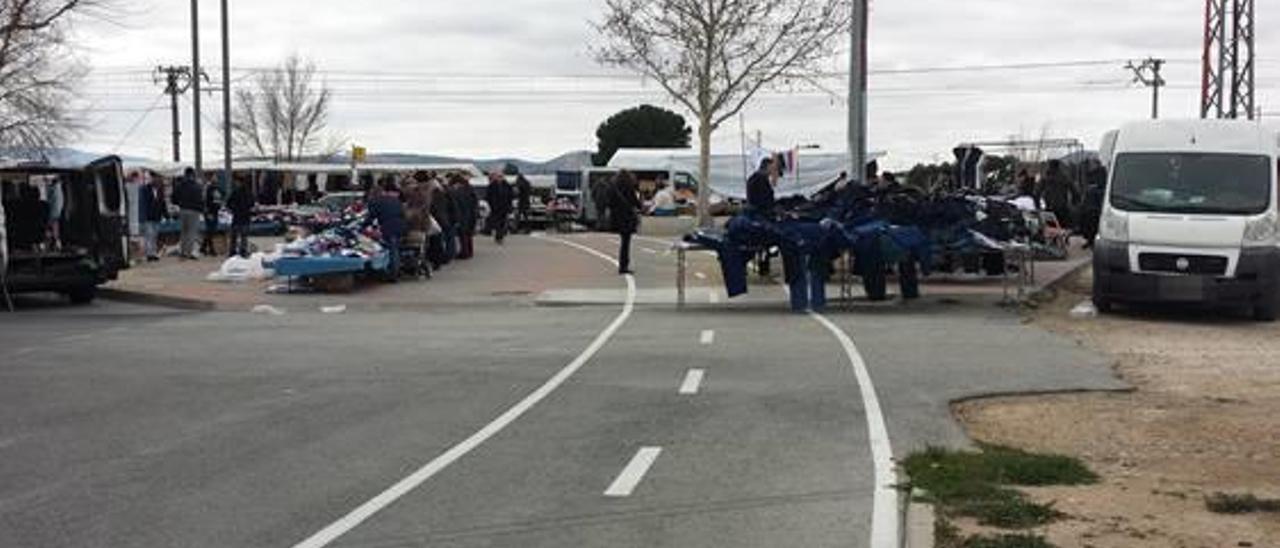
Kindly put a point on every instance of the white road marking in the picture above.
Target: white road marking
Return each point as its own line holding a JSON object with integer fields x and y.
{"x": 353, "y": 519}
{"x": 649, "y": 251}
{"x": 77, "y": 338}
{"x": 630, "y": 477}
{"x": 714, "y": 297}
{"x": 692, "y": 381}
{"x": 885, "y": 524}
{"x": 23, "y": 351}
{"x": 699, "y": 275}
{"x": 708, "y": 336}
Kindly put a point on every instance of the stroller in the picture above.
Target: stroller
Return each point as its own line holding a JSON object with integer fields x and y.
{"x": 413, "y": 259}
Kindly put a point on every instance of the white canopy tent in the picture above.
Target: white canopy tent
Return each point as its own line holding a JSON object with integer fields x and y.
{"x": 729, "y": 172}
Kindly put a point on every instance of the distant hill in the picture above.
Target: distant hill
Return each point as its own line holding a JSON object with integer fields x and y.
{"x": 62, "y": 156}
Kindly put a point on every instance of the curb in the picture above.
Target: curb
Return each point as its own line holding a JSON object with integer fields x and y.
{"x": 136, "y": 297}
{"x": 920, "y": 526}
{"x": 1052, "y": 285}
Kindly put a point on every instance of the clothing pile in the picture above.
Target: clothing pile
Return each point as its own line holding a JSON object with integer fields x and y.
{"x": 881, "y": 228}
{"x": 349, "y": 241}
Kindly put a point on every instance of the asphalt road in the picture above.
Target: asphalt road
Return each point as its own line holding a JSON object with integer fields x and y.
{"x": 135, "y": 426}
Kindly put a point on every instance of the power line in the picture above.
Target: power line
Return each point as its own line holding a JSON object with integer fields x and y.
{"x": 138, "y": 123}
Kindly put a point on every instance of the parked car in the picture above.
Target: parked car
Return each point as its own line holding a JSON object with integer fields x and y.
{"x": 1190, "y": 216}
{"x": 64, "y": 229}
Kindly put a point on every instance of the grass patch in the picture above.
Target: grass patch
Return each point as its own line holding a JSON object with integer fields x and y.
{"x": 1224, "y": 503}
{"x": 1007, "y": 541}
{"x": 979, "y": 484}
{"x": 976, "y": 484}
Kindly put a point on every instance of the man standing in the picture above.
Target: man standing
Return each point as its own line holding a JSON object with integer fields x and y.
{"x": 212, "y": 208}
{"x": 151, "y": 210}
{"x": 499, "y": 196}
{"x": 624, "y": 208}
{"x": 1058, "y": 193}
{"x": 464, "y": 197}
{"x": 760, "y": 197}
{"x": 187, "y": 197}
{"x": 524, "y": 202}
{"x": 241, "y": 205}
{"x": 386, "y": 210}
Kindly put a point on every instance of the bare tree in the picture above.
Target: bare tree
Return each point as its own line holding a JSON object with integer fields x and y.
{"x": 39, "y": 74}
{"x": 714, "y": 56}
{"x": 284, "y": 114}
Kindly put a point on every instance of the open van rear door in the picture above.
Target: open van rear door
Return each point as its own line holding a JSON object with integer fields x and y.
{"x": 107, "y": 175}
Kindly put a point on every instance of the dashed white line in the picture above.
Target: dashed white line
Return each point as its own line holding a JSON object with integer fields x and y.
{"x": 885, "y": 526}
{"x": 692, "y": 382}
{"x": 630, "y": 477}
{"x": 708, "y": 336}
{"x": 353, "y": 519}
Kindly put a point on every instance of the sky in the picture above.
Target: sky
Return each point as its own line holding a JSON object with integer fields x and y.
{"x": 498, "y": 78}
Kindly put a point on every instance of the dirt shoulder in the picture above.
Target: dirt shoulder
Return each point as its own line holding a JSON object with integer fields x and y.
{"x": 1205, "y": 418}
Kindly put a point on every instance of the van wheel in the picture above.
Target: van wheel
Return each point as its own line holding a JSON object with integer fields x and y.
{"x": 83, "y": 295}
{"x": 1267, "y": 311}
{"x": 1103, "y": 304}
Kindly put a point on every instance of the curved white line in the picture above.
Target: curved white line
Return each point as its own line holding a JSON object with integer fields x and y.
{"x": 885, "y": 526}
{"x": 353, "y": 519}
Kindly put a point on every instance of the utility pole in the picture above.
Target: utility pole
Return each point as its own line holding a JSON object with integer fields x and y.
{"x": 195, "y": 86}
{"x": 858, "y": 92}
{"x": 176, "y": 80}
{"x": 1148, "y": 74}
{"x": 226, "y": 95}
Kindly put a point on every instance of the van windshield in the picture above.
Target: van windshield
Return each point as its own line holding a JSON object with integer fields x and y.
{"x": 1192, "y": 183}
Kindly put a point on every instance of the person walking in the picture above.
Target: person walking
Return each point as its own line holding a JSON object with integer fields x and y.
{"x": 624, "y": 210}
{"x": 152, "y": 211}
{"x": 524, "y": 203}
{"x": 464, "y": 197}
{"x": 213, "y": 201}
{"x": 187, "y": 198}
{"x": 240, "y": 203}
{"x": 387, "y": 212}
{"x": 418, "y": 223}
{"x": 499, "y": 196}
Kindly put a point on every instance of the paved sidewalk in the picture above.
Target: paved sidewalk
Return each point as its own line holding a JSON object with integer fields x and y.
{"x": 512, "y": 274}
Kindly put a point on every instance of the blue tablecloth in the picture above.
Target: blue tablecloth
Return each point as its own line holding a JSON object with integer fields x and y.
{"x": 320, "y": 266}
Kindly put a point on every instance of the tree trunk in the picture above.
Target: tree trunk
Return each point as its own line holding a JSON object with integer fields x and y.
{"x": 704, "y": 174}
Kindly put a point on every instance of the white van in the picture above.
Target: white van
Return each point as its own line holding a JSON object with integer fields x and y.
{"x": 1190, "y": 216}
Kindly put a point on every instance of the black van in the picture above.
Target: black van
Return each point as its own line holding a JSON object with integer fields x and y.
{"x": 64, "y": 229}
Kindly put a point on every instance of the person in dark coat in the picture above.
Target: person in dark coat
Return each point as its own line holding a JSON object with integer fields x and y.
{"x": 524, "y": 202}
{"x": 499, "y": 196}
{"x": 624, "y": 210}
{"x": 152, "y": 211}
{"x": 760, "y": 197}
{"x": 240, "y": 203}
{"x": 213, "y": 201}
{"x": 1059, "y": 194}
{"x": 386, "y": 210}
{"x": 189, "y": 199}
{"x": 464, "y": 198}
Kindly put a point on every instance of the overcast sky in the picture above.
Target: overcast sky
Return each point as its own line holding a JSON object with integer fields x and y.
{"x": 515, "y": 77}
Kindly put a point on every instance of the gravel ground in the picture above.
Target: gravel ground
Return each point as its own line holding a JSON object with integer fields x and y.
{"x": 1202, "y": 420}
